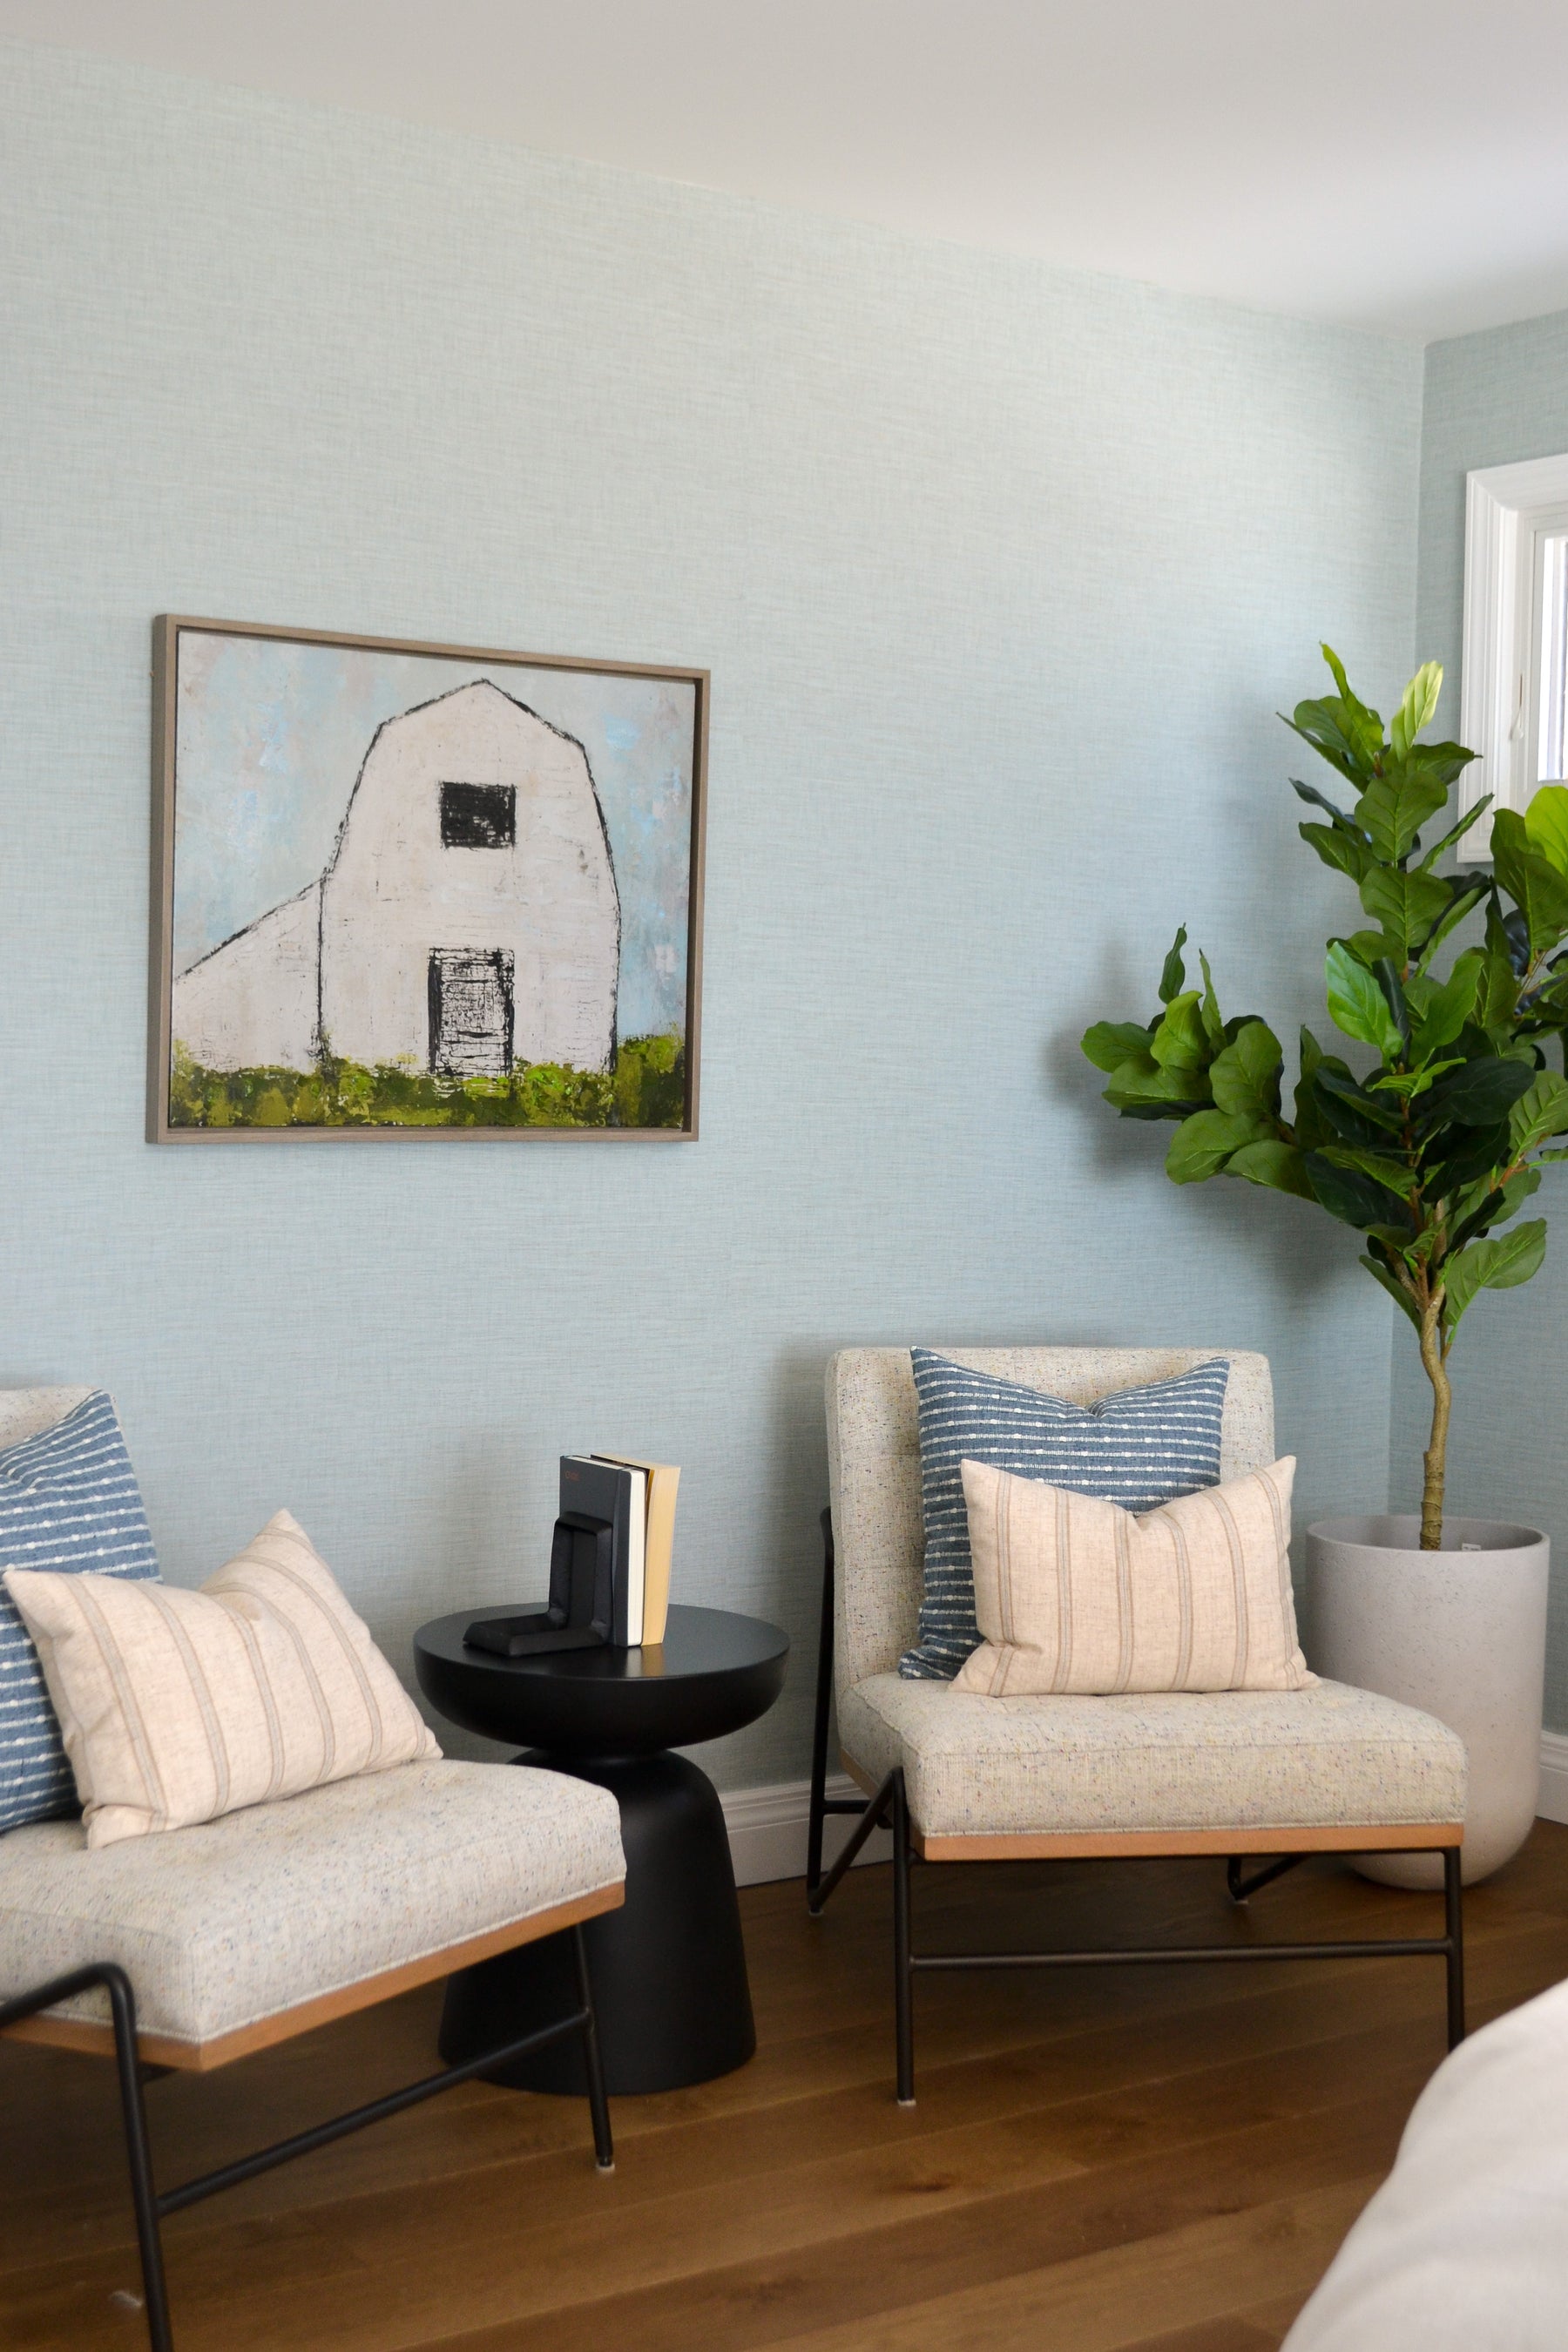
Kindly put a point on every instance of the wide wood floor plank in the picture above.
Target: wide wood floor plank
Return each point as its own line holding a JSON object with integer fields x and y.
{"x": 988, "y": 2216}
{"x": 1203, "y": 2272}
{"x": 1209, "y": 2336}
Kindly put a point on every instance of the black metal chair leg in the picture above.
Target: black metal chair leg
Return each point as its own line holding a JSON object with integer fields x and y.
{"x": 903, "y": 1963}
{"x": 145, "y": 2201}
{"x": 1454, "y": 1932}
{"x": 872, "y": 1812}
{"x": 598, "y": 2106}
{"x": 1241, "y": 1888}
{"x": 819, "y": 1728}
{"x": 139, "y": 2157}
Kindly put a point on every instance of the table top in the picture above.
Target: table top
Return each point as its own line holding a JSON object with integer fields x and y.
{"x": 713, "y": 1673}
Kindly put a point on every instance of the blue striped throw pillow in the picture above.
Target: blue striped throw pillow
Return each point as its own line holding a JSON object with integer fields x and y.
{"x": 68, "y": 1500}
{"x": 1141, "y": 1447}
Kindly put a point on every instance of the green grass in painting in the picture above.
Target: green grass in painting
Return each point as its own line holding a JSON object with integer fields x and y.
{"x": 646, "y": 1088}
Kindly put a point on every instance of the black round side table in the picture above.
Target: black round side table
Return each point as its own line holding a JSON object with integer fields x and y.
{"x": 670, "y": 1967}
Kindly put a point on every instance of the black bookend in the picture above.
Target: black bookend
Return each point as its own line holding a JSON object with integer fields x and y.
{"x": 582, "y": 1596}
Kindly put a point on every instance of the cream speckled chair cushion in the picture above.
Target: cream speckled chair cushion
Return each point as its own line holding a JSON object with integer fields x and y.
{"x": 1168, "y": 1761}
{"x": 226, "y": 1925}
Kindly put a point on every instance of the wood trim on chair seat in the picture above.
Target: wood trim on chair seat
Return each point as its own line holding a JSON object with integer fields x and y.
{"x": 202, "y": 2057}
{"x": 1076, "y": 1846}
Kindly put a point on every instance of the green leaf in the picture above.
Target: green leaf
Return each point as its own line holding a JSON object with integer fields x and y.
{"x": 1498, "y": 1265}
{"x": 1141, "y": 1089}
{"x": 1516, "y": 1192}
{"x": 1546, "y": 825}
{"x": 1408, "y": 1084}
{"x": 1402, "y": 1242}
{"x": 1311, "y": 1126}
{"x": 1456, "y": 831}
{"x": 1245, "y": 1078}
{"x": 1367, "y": 947}
{"x": 1541, "y": 1111}
{"x": 1394, "y": 1175}
{"x": 1316, "y": 799}
{"x": 1406, "y": 904}
{"x": 1549, "y": 1002}
{"x": 1214, "y": 1025}
{"x": 1497, "y": 993}
{"x": 1110, "y": 1043}
{"x": 1445, "y": 761}
{"x": 1351, "y": 732}
{"x": 1467, "y": 1154}
{"x": 1346, "y": 852}
{"x": 1386, "y": 974}
{"x": 1202, "y": 1145}
{"x": 1497, "y": 1204}
{"x": 1464, "y": 898}
{"x": 1279, "y": 1165}
{"x": 1395, "y": 807}
{"x": 1506, "y": 936}
{"x": 1354, "y": 1112}
{"x": 1358, "y": 1006}
{"x": 1343, "y": 682}
{"x": 1345, "y": 1192}
{"x": 1448, "y": 1007}
{"x": 1181, "y": 1040}
{"x": 1417, "y": 708}
{"x": 1395, "y": 1290}
{"x": 1332, "y": 731}
{"x": 1532, "y": 881}
{"x": 1173, "y": 972}
{"x": 1480, "y": 1092}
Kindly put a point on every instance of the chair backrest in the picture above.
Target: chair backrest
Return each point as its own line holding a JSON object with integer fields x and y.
{"x": 24, "y": 1412}
{"x": 874, "y": 1466}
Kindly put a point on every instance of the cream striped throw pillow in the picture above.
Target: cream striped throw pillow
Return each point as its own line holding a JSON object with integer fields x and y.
{"x": 1076, "y": 1595}
{"x": 176, "y": 1706}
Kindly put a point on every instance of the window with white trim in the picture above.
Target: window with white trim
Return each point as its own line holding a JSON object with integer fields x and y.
{"x": 1514, "y": 698}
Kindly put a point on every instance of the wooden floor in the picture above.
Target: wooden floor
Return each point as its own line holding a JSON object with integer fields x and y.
{"x": 1162, "y": 2159}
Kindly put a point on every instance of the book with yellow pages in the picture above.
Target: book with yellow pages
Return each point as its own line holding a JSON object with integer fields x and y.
{"x": 663, "y": 1479}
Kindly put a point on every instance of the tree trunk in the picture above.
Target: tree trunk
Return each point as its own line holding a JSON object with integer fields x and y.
{"x": 1436, "y": 1459}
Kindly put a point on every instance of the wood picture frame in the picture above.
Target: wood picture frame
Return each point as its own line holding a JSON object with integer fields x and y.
{"x": 403, "y": 889}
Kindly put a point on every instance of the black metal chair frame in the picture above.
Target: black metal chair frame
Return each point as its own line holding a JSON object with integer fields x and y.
{"x": 151, "y": 2207}
{"x": 889, "y": 1806}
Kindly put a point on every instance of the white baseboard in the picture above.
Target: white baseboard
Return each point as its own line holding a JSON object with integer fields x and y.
{"x": 767, "y": 1829}
{"x": 1554, "y": 1804}
{"x": 767, "y": 1826}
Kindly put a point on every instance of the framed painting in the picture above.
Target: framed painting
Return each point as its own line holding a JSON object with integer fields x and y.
{"x": 407, "y": 889}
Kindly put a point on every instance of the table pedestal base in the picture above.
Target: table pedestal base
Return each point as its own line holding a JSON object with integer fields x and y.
{"x": 669, "y": 1969}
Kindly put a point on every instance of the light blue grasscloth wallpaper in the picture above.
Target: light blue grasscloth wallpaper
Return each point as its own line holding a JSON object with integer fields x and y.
{"x": 1490, "y": 399}
{"x": 1002, "y": 574}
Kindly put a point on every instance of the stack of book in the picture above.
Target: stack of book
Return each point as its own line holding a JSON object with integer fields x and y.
{"x": 638, "y": 1500}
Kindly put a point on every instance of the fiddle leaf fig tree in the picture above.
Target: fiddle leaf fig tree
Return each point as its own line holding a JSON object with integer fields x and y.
{"x": 1429, "y": 1138}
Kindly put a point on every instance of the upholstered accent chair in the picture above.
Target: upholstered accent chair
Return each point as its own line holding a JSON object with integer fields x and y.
{"x": 195, "y": 1947}
{"x": 960, "y": 1777}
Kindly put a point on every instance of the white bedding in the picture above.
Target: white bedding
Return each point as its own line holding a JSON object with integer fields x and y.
{"x": 1464, "y": 2247}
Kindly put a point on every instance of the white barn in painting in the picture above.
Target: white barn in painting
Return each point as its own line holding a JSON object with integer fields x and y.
{"x": 467, "y": 917}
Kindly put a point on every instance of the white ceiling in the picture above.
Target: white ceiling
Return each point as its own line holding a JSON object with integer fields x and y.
{"x": 1399, "y": 164}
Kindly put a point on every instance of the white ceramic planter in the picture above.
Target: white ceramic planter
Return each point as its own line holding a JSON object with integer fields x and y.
{"x": 1459, "y": 1632}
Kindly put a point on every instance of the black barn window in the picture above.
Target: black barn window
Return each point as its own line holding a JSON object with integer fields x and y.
{"x": 478, "y": 816}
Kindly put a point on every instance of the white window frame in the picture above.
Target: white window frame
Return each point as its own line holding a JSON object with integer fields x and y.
{"x": 1505, "y": 507}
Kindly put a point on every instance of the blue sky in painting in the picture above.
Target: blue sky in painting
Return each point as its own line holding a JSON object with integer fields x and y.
{"x": 271, "y": 734}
